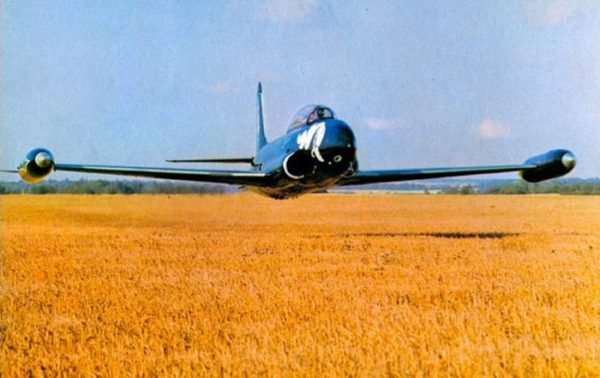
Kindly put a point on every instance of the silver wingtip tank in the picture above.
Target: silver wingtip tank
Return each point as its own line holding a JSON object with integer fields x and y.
{"x": 38, "y": 164}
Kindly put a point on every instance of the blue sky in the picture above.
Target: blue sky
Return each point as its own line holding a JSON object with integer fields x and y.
{"x": 423, "y": 83}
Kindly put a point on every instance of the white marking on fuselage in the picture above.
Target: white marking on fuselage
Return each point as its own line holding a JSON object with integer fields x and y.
{"x": 314, "y": 135}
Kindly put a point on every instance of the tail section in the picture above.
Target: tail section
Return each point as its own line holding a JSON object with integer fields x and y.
{"x": 261, "y": 140}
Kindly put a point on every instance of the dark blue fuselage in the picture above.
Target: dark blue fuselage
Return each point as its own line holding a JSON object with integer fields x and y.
{"x": 307, "y": 159}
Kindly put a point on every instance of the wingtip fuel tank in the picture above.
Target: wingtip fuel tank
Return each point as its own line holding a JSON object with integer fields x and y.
{"x": 38, "y": 164}
{"x": 550, "y": 165}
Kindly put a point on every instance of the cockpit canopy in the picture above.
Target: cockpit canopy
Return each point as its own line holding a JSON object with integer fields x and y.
{"x": 310, "y": 114}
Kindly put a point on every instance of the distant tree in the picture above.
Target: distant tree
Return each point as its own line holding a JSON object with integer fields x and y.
{"x": 450, "y": 190}
{"x": 467, "y": 189}
{"x": 43, "y": 189}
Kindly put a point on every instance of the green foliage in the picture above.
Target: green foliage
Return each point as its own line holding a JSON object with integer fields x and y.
{"x": 107, "y": 187}
{"x": 561, "y": 187}
{"x": 467, "y": 189}
{"x": 564, "y": 186}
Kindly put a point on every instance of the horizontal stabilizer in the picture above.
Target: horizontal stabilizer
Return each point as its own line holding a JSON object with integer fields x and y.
{"x": 224, "y": 160}
{"x": 8, "y": 171}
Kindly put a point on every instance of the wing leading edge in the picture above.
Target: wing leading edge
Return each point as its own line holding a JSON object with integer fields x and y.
{"x": 249, "y": 178}
{"x": 370, "y": 177}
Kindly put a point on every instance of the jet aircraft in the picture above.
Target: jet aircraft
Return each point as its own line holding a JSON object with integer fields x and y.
{"x": 317, "y": 152}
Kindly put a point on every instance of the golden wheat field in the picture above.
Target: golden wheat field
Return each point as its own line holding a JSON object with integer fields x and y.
{"x": 372, "y": 284}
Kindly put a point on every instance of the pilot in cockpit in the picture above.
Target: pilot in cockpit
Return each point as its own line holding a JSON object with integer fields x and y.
{"x": 321, "y": 113}
{"x": 318, "y": 114}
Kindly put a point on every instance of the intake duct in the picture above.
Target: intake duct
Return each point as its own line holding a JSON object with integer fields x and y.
{"x": 550, "y": 165}
{"x": 298, "y": 164}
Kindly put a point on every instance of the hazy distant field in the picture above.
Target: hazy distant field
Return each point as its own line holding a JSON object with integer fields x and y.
{"x": 345, "y": 284}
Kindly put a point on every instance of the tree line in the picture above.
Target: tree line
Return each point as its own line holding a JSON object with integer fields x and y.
{"x": 565, "y": 186}
{"x": 108, "y": 187}
{"x": 571, "y": 186}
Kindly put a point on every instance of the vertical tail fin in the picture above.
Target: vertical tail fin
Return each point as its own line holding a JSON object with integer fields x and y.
{"x": 261, "y": 140}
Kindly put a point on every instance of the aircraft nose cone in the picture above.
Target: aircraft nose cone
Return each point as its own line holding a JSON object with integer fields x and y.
{"x": 341, "y": 136}
{"x": 338, "y": 150}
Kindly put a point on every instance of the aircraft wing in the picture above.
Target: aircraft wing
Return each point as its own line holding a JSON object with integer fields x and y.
{"x": 370, "y": 177}
{"x": 552, "y": 164}
{"x": 252, "y": 178}
{"x": 39, "y": 163}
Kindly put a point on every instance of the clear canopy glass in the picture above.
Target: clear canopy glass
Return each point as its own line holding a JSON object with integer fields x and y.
{"x": 310, "y": 114}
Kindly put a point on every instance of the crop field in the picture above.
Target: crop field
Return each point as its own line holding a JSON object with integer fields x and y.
{"x": 377, "y": 284}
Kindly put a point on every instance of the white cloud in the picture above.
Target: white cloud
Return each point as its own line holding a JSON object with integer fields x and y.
{"x": 383, "y": 123}
{"x": 223, "y": 86}
{"x": 489, "y": 129}
{"x": 288, "y": 11}
{"x": 551, "y": 12}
